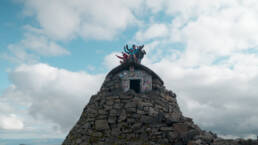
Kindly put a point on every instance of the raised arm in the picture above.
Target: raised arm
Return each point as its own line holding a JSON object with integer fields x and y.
{"x": 126, "y": 49}
{"x": 119, "y": 57}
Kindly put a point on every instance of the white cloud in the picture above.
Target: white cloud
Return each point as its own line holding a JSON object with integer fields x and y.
{"x": 111, "y": 61}
{"x": 52, "y": 94}
{"x": 32, "y": 47}
{"x": 64, "y": 19}
{"x": 17, "y": 54}
{"x": 57, "y": 19}
{"x": 155, "y": 31}
{"x": 10, "y": 122}
{"x": 221, "y": 34}
{"x": 217, "y": 28}
{"x": 42, "y": 45}
{"x": 155, "y": 5}
{"x": 192, "y": 9}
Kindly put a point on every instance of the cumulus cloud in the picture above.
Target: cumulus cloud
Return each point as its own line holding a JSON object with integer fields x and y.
{"x": 64, "y": 19}
{"x": 155, "y": 31}
{"x": 8, "y": 119}
{"x": 43, "y": 46}
{"x": 155, "y": 5}
{"x": 33, "y": 46}
{"x": 17, "y": 54}
{"x": 226, "y": 28}
{"x": 52, "y": 94}
{"x": 10, "y": 122}
{"x": 111, "y": 61}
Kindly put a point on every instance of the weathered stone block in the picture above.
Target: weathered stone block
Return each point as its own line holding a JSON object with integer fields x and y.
{"x": 112, "y": 119}
{"x": 113, "y": 112}
{"x": 132, "y": 110}
{"x": 167, "y": 129}
{"x": 181, "y": 128}
{"x": 130, "y": 105}
{"x": 115, "y": 132}
{"x": 146, "y": 119}
{"x": 96, "y": 134}
{"x": 101, "y": 124}
{"x": 102, "y": 112}
{"x": 122, "y": 116}
{"x": 117, "y": 106}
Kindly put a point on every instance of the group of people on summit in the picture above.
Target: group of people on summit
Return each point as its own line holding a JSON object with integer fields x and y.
{"x": 135, "y": 54}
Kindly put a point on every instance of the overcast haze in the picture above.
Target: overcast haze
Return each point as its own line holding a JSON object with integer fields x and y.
{"x": 54, "y": 54}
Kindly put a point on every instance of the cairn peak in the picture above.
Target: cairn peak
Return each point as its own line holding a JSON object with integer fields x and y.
{"x": 134, "y": 108}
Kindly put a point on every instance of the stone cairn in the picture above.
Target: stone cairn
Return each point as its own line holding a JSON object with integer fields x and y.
{"x": 114, "y": 117}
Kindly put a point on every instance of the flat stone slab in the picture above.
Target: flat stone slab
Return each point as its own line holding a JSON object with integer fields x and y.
{"x": 101, "y": 125}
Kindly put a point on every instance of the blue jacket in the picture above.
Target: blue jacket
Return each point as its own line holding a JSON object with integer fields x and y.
{"x": 130, "y": 51}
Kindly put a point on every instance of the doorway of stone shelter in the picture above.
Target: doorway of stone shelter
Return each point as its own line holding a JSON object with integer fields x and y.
{"x": 135, "y": 85}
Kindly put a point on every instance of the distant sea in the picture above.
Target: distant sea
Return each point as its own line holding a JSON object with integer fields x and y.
{"x": 31, "y": 141}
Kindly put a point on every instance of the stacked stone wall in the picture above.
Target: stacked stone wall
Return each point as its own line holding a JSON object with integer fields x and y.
{"x": 115, "y": 117}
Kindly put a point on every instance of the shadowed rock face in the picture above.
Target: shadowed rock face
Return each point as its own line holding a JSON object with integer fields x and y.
{"x": 115, "y": 117}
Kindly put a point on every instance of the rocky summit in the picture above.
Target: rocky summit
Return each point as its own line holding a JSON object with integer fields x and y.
{"x": 133, "y": 107}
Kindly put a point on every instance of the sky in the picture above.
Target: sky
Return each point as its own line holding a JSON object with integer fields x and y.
{"x": 54, "y": 54}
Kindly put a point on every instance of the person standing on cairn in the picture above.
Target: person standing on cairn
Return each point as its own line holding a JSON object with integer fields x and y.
{"x": 123, "y": 58}
{"x": 135, "y": 54}
{"x": 131, "y": 52}
{"x": 140, "y": 53}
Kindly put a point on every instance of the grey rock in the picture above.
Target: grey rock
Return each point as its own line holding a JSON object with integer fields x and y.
{"x": 131, "y": 110}
{"x": 152, "y": 112}
{"x": 117, "y": 106}
{"x": 102, "y": 112}
{"x": 113, "y": 112}
{"x": 146, "y": 119}
{"x": 166, "y": 128}
{"x": 112, "y": 119}
{"x": 78, "y": 141}
{"x": 130, "y": 105}
{"x": 122, "y": 116}
{"x": 97, "y": 134}
{"x": 115, "y": 132}
{"x": 109, "y": 102}
{"x": 101, "y": 125}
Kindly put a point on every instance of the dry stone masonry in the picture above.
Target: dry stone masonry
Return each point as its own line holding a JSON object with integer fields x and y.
{"x": 148, "y": 114}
